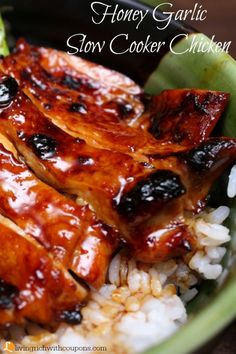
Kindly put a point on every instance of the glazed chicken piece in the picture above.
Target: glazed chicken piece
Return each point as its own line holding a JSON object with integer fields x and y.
{"x": 98, "y": 176}
{"x": 148, "y": 199}
{"x": 42, "y": 291}
{"x": 133, "y": 181}
{"x": 84, "y": 100}
{"x": 71, "y": 233}
{"x": 183, "y": 116}
{"x": 168, "y": 233}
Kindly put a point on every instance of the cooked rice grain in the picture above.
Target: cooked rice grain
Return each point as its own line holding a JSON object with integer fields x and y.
{"x": 231, "y": 191}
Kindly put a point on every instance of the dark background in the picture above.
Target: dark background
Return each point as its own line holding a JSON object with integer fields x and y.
{"x": 221, "y": 19}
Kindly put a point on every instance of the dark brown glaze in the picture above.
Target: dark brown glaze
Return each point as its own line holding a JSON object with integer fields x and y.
{"x": 167, "y": 235}
{"x": 173, "y": 241}
{"x": 117, "y": 94}
{"x": 91, "y": 258}
{"x": 111, "y": 190}
{"x": 205, "y": 164}
{"x": 8, "y": 92}
{"x": 99, "y": 176}
{"x": 54, "y": 82}
{"x": 55, "y": 221}
{"x": 7, "y": 294}
{"x": 8, "y": 317}
{"x": 200, "y": 167}
{"x": 183, "y": 116}
{"x": 126, "y": 194}
{"x": 151, "y": 192}
{"x": 74, "y": 135}
{"x": 34, "y": 285}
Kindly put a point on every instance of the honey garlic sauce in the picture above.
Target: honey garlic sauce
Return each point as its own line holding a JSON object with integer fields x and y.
{"x": 39, "y": 210}
{"x": 53, "y": 220}
{"x": 43, "y": 289}
{"x": 68, "y": 100}
{"x": 69, "y": 163}
{"x": 124, "y": 194}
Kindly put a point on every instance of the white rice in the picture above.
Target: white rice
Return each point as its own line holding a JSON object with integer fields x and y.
{"x": 140, "y": 305}
{"x": 231, "y": 191}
